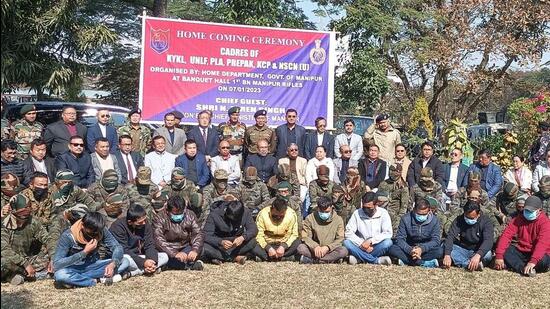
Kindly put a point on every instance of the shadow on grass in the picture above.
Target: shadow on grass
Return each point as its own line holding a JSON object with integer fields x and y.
{"x": 16, "y": 299}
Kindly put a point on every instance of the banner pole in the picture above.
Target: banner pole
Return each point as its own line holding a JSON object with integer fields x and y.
{"x": 142, "y": 59}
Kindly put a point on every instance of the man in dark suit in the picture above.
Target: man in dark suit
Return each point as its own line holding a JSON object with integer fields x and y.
{"x": 372, "y": 169}
{"x": 207, "y": 138}
{"x": 58, "y": 134}
{"x": 194, "y": 164}
{"x": 128, "y": 160}
{"x": 426, "y": 159}
{"x": 319, "y": 138}
{"x": 265, "y": 164}
{"x": 77, "y": 160}
{"x": 38, "y": 162}
{"x": 102, "y": 129}
{"x": 290, "y": 133}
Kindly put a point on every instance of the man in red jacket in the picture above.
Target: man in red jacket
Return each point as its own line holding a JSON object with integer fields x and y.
{"x": 532, "y": 252}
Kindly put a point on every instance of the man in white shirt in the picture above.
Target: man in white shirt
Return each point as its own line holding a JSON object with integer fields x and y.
{"x": 102, "y": 160}
{"x": 455, "y": 175}
{"x": 129, "y": 161}
{"x": 160, "y": 162}
{"x": 368, "y": 233}
{"x": 354, "y": 141}
{"x": 229, "y": 163}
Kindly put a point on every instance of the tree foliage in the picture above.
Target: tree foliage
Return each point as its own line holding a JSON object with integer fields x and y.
{"x": 420, "y": 112}
{"x": 431, "y": 44}
{"x": 47, "y": 45}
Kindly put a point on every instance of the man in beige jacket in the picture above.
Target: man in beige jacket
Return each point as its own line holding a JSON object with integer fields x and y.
{"x": 384, "y": 136}
{"x": 297, "y": 167}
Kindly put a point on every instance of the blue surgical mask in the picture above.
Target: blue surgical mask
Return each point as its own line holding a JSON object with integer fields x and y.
{"x": 324, "y": 215}
{"x": 470, "y": 221}
{"x": 176, "y": 218}
{"x": 529, "y": 215}
{"x": 420, "y": 218}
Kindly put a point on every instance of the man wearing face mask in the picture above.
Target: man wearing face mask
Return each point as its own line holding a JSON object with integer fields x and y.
{"x": 505, "y": 200}
{"x": 368, "y": 233}
{"x": 180, "y": 186}
{"x": 135, "y": 234}
{"x": 322, "y": 186}
{"x": 65, "y": 194}
{"x": 158, "y": 203}
{"x": 109, "y": 184}
{"x": 353, "y": 190}
{"x": 544, "y": 193}
{"x": 10, "y": 187}
{"x": 283, "y": 174}
{"x": 178, "y": 234}
{"x": 230, "y": 233}
{"x": 398, "y": 194}
{"x": 114, "y": 207}
{"x": 143, "y": 189}
{"x": 322, "y": 235}
{"x": 216, "y": 191}
{"x": 469, "y": 240}
{"x": 418, "y": 238}
{"x": 252, "y": 191}
{"x": 531, "y": 254}
{"x": 20, "y": 232}
{"x": 427, "y": 186}
{"x": 277, "y": 232}
{"x": 76, "y": 261}
{"x": 39, "y": 195}
{"x": 283, "y": 190}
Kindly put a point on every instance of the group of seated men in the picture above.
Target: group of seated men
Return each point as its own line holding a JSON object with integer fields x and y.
{"x": 174, "y": 211}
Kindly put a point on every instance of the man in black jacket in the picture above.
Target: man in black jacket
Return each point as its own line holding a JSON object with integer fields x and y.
{"x": 372, "y": 169}
{"x": 469, "y": 240}
{"x": 426, "y": 159}
{"x": 265, "y": 163}
{"x": 230, "y": 233}
{"x": 58, "y": 134}
{"x": 38, "y": 162}
{"x": 135, "y": 235}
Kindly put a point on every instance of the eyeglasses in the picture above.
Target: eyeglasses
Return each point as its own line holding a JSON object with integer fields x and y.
{"x": 77, "y": 145}
{"x": 105, "y": 116}
{"x": 347, "y": 151}
{"x": 293, "y": 149}
{"x": 225, "y": 147}
{"x": 400, "y": 150}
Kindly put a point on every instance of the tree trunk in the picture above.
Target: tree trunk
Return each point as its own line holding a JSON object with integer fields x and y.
{"x": 159, "y": 8}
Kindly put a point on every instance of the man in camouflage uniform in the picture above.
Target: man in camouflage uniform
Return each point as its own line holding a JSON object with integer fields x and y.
{"x": 39, "y": 195}
{"x": 445, "y": 218}
{"x": 544, "y": 194}
{"x": 21, "y": 257}
{"x": 141, "y": 135}
{"x": 398, "y": 195}
{"x": 233, "y": 131}
{"x": 283, "y": 191}
{"x": 218, "y": 189}
{"x": 181, "y": 186}
{"x": 353, "y": 190}
{"x": 258, "y": 132}
{"x": 462, "y": 196}
{"x": 158, "y": 203}
{"x": 427, "y": 186}
{"x": 5, "y": 122}
{"x": 505, "y": 200}
{"x": 10, "y": 186}
{"x": 283, "y": 174}
{"x": 253, "y": 191}
{"x": 116, "y": 205}
{"x": 322, "y": 186}
{"x": 66, "y": 195}
{"x": 26, "y": 130}
{"x": 143, "y": 190}
{"x": 109, "y": 184}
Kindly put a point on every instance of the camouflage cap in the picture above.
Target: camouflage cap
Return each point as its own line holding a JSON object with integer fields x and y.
{"x": 9, "y": 181}
{"x": 434, "y": 204}
{"x": 221, "y": 174}
{"x": 144, "y": 175}
{"x": 544, "y": 181}
{"x": 196, "y": 200}
{"x": 426, "y": 173}
{"x": 251, "y": 173}
{"x": 284, "y": 185}
{"x": 113, "y": 204}
{"x": 234, "y": 109}
{"x": 78, "y": 211}
{"x": 64, "y": 174}
{"x": 474, "y": 194}
{"x": 382, "y": 196}
{"x": 19, "y": 201}
{"x": 27, "y": 108}
{"x": 110, "y": 175}
{"x": 272, "y": 183}
{"x": 510, "y": 188}
{"x": 521, "y": 199}
{"x": 474, "y": 176}
{"x": 283, "y": 170}
{"x": 178, "y": 171}
{"x": 159, "y": 199}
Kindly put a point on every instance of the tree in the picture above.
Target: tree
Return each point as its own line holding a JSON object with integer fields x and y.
{"x": 47, "y": 45}
{"x": 361, "y": 87}
{"x": 430, "y": 44}
{"x": 420, "y": 112}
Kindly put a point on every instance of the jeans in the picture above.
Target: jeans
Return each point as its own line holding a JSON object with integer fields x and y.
{"x": 517, "y": 260}
{"x": 136, "y": 271}
{"x": 86, "y": 274}
{"x": 380, "y": 249}
{"x": 306, "y": 205}
{"x": 174, "y": 263}
{"x": 434, "y": 253}
{"x": 210, "y": 252}
{"x": 330, "y": 257}
{"x": 461, "y": 256}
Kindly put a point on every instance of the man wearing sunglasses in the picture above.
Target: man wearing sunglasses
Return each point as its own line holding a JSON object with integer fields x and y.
{"x": 228, "y": 162}
{"x": 289, "y": 133}
{"x": 342, "y": 164}
{"x": 78, "y": 161}
{"x": 455, "y": 175}
{"x": 102, "y": 128}
{"x": 25, "y": 130}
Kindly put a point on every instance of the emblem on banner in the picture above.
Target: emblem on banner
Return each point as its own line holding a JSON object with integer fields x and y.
{"x": 318, "y": 55}
{"x": 160, "y": 40}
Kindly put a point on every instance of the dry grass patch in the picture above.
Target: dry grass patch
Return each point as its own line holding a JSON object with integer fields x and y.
{"x": 291, "y": 285}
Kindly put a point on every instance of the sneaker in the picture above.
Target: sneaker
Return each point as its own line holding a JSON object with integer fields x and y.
{"x": 17, "y": 280}
{"x": 384, "y": 260}
{"x": 532, "y": 273}
{"x": 240, "y": 259}
{"x": 106, "y": 281}
{"x": 158, "y": 270}
{"x": 197, "y": 265}
{"x": 352, "y": 260}
{"x": 430, "y": 264}
{"x": 400, "y": 263}
{"x": 305, "y": 260}
{"x": 216, "y": 262}
{"x": 126, "y": 275}
{"x": 117, "y": 278}
{"x": 480, "y": 266}
{"x": 257, "y": 259}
